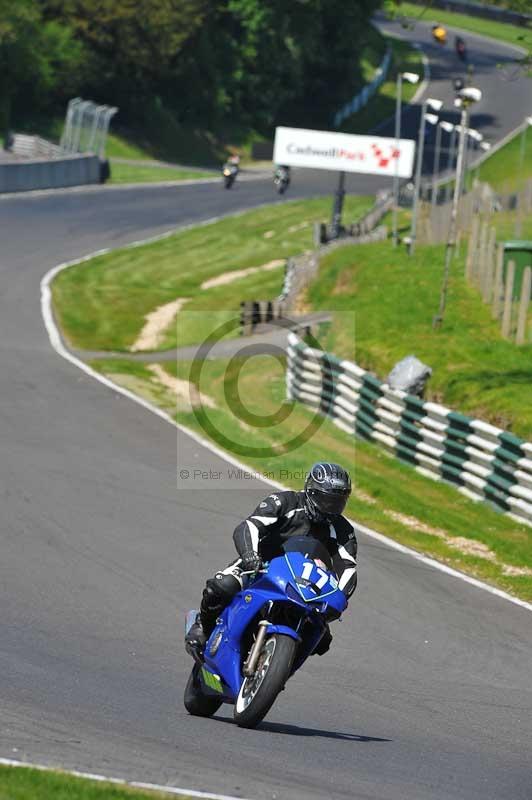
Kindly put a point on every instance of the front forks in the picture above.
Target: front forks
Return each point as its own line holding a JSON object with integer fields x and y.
{"x": 251, "y": 662}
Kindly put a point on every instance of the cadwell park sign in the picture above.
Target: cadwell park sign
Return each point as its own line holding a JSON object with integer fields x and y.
{"x": 342, "y": 152}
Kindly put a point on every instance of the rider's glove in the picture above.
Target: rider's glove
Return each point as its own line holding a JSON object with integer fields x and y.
{"x": 251, "y": 561}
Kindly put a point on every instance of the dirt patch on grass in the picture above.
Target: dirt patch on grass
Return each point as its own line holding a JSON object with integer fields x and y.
{"x": 516, "y": 572}
{"x": 236, "y": 275}
{"x": 298, "y": 227}
{"x": 364, "y": 497}
{"x": 156, "y": 322}
{"x": 301, "y": 304}
{"x": 142, "y": 387}
{"x": 186, "y": 395}
{"x": 416, "y": 524}
{"x": 470, "y": 547}
{"x": 344, "y": 283}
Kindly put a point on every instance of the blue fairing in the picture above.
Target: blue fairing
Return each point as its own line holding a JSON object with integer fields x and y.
{"x": 292, "y": 578}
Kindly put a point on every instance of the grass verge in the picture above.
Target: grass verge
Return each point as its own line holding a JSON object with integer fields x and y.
{"x": 24, "y": 783}
{"x": 513, "y": 34}
{"x": 101, "y": 304}
{"x": 134, "y": 173}
{"x": 510, "y": 167}
{"x": 389, "y": 496}
{"x": 395, "y": 297}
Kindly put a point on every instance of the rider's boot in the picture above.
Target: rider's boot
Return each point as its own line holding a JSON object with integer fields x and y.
{"x": 196, "y": 638}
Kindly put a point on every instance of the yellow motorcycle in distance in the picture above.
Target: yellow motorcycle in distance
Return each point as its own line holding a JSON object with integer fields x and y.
{"x": 439, "y": 34}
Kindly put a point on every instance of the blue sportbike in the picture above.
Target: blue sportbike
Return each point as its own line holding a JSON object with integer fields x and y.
{"x": 266, "y": 633}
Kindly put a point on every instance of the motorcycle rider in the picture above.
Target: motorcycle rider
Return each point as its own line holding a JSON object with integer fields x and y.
{"x": 233, "y": 162}
{"x": 281, "y": 175}
{"x": 230, "y": 170}
{"x": 316, "y": 512}
{"x": 460, "y": 47}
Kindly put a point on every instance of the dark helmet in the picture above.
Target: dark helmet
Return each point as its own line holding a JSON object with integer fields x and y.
{"x": 327, "y": 489}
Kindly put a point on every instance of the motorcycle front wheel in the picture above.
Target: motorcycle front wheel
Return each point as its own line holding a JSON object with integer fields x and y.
{"x": 258, "y": 693}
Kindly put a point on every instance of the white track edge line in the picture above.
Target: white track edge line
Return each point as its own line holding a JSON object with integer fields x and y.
{"x": 154, "y": 787}
{"x": 57, "y": 344}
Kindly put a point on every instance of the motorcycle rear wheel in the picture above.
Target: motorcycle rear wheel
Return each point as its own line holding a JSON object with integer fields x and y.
{"x": 197, "y": 703}
{"x": 258, "y": 693}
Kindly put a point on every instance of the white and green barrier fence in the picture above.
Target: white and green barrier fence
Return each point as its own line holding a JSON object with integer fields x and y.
{"x": 485, "y": 462}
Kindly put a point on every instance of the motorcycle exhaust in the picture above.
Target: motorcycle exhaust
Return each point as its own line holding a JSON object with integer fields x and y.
{"x": 251, "y": 664}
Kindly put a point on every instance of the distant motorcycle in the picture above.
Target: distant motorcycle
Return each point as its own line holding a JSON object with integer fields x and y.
{"x": 281, "y": 179}
{"x": 230, "y": 170}
{"x": 439, "y": 34}
{"x": 460, "y": 47}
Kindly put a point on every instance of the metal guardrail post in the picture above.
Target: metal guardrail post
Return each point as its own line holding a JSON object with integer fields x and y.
{"x": 111, "y": 111}
{"x": 66, "y": 137}
{"x": 97, "y": 115}
{"x": 76, "y": 139}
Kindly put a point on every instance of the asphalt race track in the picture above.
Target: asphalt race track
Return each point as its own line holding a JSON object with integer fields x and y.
{"x": 427, "y": 690}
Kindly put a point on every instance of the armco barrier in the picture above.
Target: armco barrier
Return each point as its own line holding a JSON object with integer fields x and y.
{"x": 362, "y": 98}
{"x": 485, "y": 462}
{"x": 22, "y": 176}
{"x": 34, "y": 147}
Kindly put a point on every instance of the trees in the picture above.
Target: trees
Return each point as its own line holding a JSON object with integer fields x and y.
{"x": 36, "y": 57}
{"x": 133, "y": 49}
{"x": 275, "y": 61}
{"x": 254, "y": 62}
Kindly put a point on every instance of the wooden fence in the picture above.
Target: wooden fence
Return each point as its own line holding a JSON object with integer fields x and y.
{"x": 434, "y": 218}
{"x": 506, "y": 289}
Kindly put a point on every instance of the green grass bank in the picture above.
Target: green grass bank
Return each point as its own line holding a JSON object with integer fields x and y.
{"x": 389, "y": 496}
{"x": 102, "y": 304}
{"x": 395, "y": 298}
{"x": 24, "y": 783}
{"x": 510, "y": 167}
{"x": 144, "y": 173}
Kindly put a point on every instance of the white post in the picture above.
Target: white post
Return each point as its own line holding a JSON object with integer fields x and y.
{"x": 454, "y": 216}
{"x": 395, "y": 237}
{"x": 526, "y": 288}
{"x": 436, "y": 168}
{"x": 508, "y": 300}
